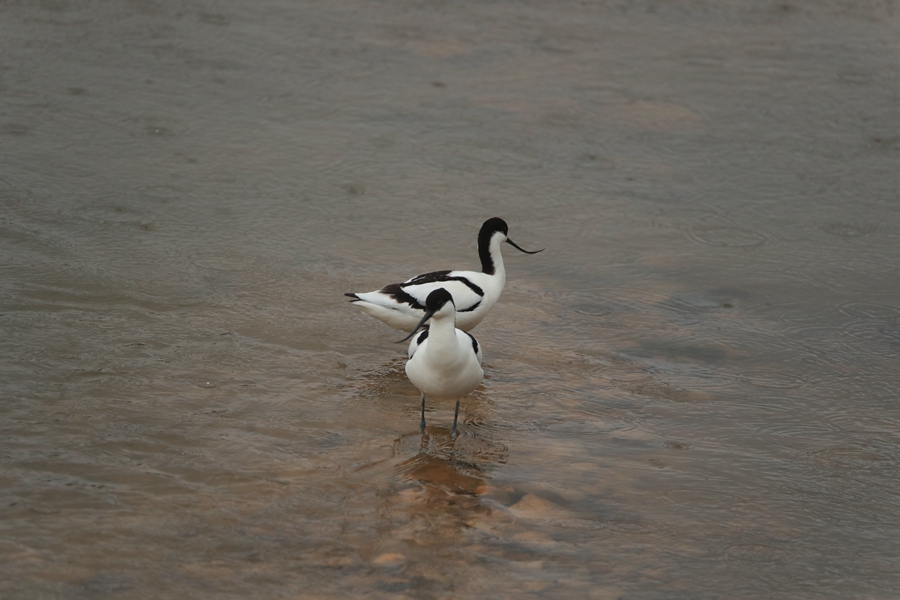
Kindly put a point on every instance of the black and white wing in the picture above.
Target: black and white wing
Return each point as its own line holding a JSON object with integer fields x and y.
{"x": 467, "y": 295}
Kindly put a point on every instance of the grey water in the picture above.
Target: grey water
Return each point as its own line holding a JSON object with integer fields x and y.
{"x": 692, "y": 393}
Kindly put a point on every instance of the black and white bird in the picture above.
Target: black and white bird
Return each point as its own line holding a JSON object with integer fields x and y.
{"x": 402, "y": 305}
{"x": 444, "y": 362}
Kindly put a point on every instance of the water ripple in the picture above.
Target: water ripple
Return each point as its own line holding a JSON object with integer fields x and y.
{"x": 849, "y": 230}
{"x": 862, "y": 310}
{"x": 855, "y": 457}
{"x": 727, "y": 236}
{"x": 772, "y": 379}
{"x": 702, "y": 499}
{"x": 754, "y": 553}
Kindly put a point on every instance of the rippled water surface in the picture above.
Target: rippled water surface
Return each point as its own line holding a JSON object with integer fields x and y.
{"x": 692, "y": 393}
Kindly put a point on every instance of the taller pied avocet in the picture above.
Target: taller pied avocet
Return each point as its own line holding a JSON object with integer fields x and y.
{"x": 444, "y": 362}
{"x": 402, "y": 305}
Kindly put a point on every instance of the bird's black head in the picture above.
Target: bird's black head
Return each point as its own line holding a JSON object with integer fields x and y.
{"x": 436, "y": 300}
{"x": 492, "y": 225}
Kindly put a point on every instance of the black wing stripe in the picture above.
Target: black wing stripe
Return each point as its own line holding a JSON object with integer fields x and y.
{"x": 471, "y": 308}
{"x": 396, "y": 291}
{"x": 428, "y": 278}
{"x": 474, "y": 342}
{"x": 438, "y": 276}
{"x": 469, "y": 284}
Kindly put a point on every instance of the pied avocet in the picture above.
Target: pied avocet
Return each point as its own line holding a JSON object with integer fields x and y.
{"x": 444, "y": 362}
{"x": 402, "y": 305}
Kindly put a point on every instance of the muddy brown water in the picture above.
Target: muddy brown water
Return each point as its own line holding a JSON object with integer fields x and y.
{"x": 692, "y": 393}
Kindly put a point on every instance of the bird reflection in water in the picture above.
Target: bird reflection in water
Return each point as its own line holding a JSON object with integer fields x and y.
{"x": 439, "y": 472}
{"x": 439, "y": 464}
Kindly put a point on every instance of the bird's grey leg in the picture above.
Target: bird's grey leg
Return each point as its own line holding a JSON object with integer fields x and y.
{"x": 455, "y": 417}
{"x": 422, "y": 422}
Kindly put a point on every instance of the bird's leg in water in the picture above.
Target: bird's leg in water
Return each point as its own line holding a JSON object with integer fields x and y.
{"x": 455, "y": 417}
{"x": 422, "y": 422}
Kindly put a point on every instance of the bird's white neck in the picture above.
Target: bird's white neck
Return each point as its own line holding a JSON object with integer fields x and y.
{"x": 492, "y": 258}
{"x": 489, "y": 252}
{"x": 442, "y": 328}
{"x": 443, "y": 346}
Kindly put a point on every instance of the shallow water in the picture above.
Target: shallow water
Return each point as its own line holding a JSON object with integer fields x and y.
{"x": 691, "y": 394}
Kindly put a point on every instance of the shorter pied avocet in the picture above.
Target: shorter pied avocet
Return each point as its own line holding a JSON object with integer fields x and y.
{"x": 444, "y": 362}
{"x": 402, "y": 305}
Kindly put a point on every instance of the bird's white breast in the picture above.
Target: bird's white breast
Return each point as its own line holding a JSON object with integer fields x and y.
{"x": 448, "y": 370}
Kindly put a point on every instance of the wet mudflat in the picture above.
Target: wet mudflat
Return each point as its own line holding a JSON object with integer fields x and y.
{"x": 692, "y": 393}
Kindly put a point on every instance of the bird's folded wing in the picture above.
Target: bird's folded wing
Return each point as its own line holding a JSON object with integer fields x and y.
{"x": 466, "y": 295}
